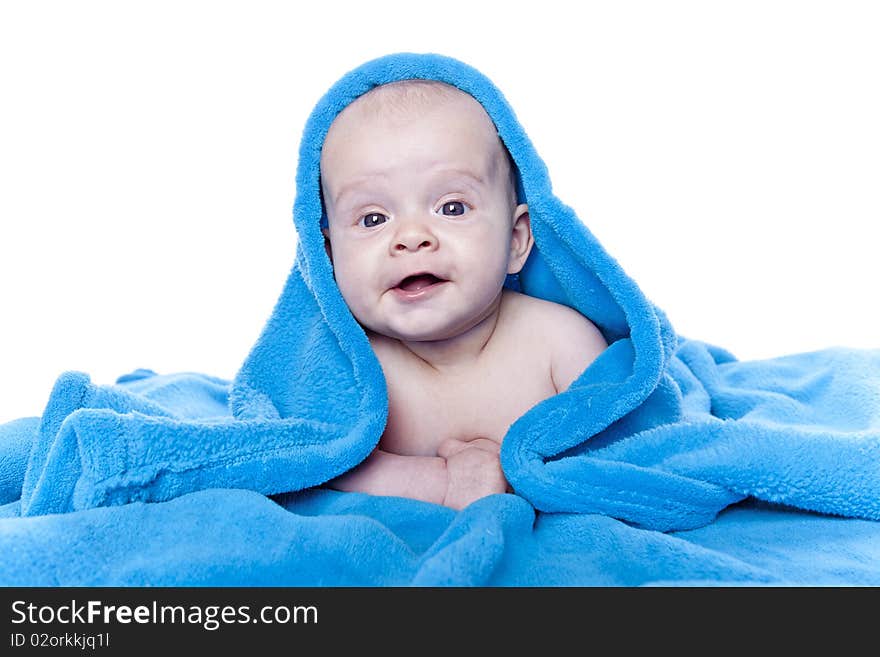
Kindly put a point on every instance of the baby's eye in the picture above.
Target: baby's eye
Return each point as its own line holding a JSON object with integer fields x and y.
{"x": 373, "y": 219}
{"x": 456, "y": 208}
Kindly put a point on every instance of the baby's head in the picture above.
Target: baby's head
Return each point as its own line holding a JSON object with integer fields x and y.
{"x": 423, "y": 220}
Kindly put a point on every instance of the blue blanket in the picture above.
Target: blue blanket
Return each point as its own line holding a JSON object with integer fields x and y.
{"x": 667, "y": 461}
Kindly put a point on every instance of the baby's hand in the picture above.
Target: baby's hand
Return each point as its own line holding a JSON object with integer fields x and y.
{"x": 473, "y": 471}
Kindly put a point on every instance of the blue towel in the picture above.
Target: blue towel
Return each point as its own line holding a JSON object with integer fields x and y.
{"x": 666, "y": 461}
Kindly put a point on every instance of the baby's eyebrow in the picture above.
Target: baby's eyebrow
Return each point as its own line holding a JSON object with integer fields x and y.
{"x": 467, "y": 174}
{"x": 357, "y": 182}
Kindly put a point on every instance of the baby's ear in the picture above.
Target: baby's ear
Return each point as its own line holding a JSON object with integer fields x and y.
{"x": 521, "y": 239}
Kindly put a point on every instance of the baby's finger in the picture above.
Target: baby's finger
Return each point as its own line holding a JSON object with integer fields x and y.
{"x": 486, "y": 445}
{"x": 450, "y": 446}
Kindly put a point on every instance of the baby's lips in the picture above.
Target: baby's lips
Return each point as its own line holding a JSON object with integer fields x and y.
{"x": 419, "y": 281}
{"x": 416, "y": 275}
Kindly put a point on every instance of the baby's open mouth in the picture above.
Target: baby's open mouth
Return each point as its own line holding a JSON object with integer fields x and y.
{"x": 419, "y": 281}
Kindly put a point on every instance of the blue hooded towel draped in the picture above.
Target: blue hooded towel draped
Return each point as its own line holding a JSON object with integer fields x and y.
{"x": 128, "y": 483}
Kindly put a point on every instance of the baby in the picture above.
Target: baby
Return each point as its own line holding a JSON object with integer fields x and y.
{"x": 423, "y": 229}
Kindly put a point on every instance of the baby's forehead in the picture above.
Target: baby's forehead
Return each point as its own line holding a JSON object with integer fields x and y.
{"x": 398, "y": 102}
{"x": 394, "y": 104}
{"x": 407, "y": 98}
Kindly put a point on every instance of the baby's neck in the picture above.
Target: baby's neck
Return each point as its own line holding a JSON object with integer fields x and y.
{"x": 458, "y": 353}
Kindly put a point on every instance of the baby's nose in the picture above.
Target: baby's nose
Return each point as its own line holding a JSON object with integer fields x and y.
{"x": 413, "y": 237}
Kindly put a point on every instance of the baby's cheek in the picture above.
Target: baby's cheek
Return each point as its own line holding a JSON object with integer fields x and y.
{"x": 361, "y": 304}
{"x": 349, "y": 288}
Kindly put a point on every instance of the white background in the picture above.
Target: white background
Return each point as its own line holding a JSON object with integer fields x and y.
{"x": 727, "y": 154}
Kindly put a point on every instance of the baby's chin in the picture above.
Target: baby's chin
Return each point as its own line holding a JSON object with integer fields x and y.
{"x": 429, "y": 324}
{"x": 418, "y": 332}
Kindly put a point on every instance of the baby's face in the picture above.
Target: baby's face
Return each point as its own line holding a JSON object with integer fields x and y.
{"x": 423, "y": 226}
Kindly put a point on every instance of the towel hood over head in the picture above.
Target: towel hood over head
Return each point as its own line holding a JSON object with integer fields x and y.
{"x": 313, "y": 361}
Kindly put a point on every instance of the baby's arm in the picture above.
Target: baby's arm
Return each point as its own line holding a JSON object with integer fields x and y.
{"x": 463, "y": 471}
{"x": 384, "y": 473}
{"x": 576, "y": 343}
{"x": 474, "y": 470}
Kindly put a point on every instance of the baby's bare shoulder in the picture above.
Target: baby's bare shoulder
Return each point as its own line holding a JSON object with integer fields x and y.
{"x": 573, "y": 341}
{"x": 549, "y": 317}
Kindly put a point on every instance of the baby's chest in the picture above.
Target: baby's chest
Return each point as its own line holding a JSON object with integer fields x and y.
{"x": 423, "y": 412}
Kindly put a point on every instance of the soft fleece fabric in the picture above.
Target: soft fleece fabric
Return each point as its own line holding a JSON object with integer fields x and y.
{"x": 666, "y": 461}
